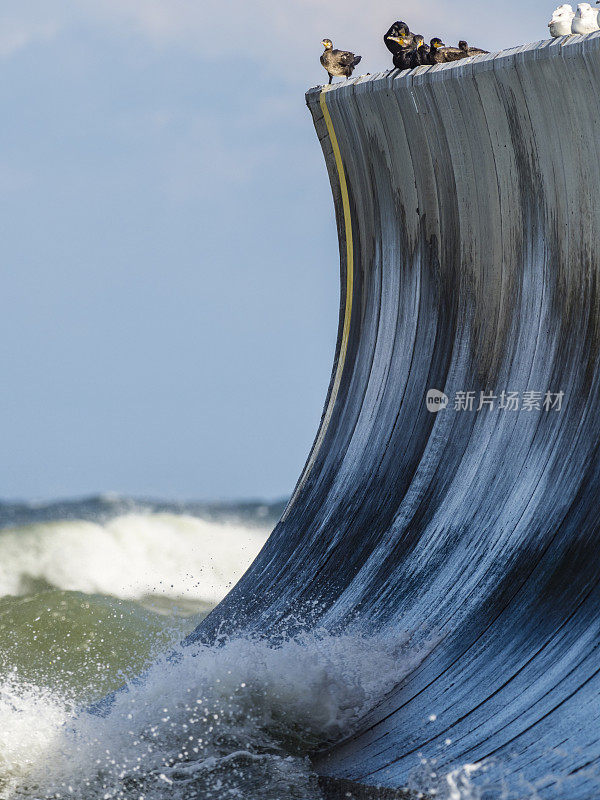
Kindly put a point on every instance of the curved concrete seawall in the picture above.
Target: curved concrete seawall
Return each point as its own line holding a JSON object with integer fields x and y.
{"x": 468, "y": 208}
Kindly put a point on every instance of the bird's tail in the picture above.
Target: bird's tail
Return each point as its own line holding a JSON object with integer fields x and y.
{"x": 357, "y": 60}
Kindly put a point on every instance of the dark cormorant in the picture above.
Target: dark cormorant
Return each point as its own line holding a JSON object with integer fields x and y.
{"x": 398, "y": 30}
{"x": 473, "y": 51}
{"x": 435, "y": 46}
{"x": 437, "y": 51}
{"x": 401, "y": 59}
{"x": 403, "y": 55}
{"x": 440, "y": 54}
{"x": 419, "y": 53}
{"x": 340, "y": 63}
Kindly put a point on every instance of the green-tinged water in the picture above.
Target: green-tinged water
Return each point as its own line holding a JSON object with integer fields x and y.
{"x": 89, "y": 604}
{"x": 87, "y": 645}
{"x": 92, "y": 592}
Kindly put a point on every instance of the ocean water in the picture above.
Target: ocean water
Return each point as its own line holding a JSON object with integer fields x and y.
{"x": 95, "y": 593}
{"x": 92, "y": 591}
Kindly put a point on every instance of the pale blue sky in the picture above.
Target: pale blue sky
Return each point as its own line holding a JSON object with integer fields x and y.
{"x": 170, "y": 270}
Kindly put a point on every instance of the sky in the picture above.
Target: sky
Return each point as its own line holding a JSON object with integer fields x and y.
{"x": 170, "y": 279}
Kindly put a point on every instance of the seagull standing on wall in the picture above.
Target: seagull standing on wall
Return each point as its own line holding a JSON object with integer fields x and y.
{"x": 585, "y": 20}
{"x": 338, "y": 62}
{"x": 562, "y": 21}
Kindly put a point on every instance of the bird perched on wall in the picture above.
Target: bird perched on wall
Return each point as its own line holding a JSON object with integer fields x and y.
{"x": 562, "y": 21}
{"x": 397, "y": 30}
{"x": 407, "y": 51}
{"x": 402, "y": 52}
{"x": 471, "y": 51}
{"x": 437, "y": 54}
{"x": 585, "y": 20}
{"x": 338, "y": 63}
{"x": 440, "y": 54}
{"x": 419, "y": 52}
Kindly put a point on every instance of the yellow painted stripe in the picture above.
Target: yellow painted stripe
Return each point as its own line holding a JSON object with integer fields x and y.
{"x": 348, "y": 310}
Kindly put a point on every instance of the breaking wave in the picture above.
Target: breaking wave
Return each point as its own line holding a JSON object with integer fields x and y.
{"x": 236, "y": 720}
{"x": 133, "y": 556}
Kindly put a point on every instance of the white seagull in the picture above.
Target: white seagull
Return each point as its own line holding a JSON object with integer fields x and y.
{"x": 561, "y": 22}
{"x": 586, "y": 19}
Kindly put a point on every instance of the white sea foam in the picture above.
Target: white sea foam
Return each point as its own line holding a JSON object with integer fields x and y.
{"x": 130, "y": 557}
{"x": 460, "y": 786}
{"x": 235, "y": 720}
{"x": 31, "y": 720}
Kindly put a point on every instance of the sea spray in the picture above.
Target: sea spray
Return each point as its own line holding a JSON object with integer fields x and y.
{"x": 235, "y": 720}
{"x": 32, "y": 722}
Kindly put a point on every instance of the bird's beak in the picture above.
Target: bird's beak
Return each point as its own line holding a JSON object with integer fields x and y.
{"x": 400, "y": 39}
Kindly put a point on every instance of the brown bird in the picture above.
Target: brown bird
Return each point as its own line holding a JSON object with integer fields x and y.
{"x": 420, "y": 52}
{"x": 338, "y": 63}
{"x": 440, "y": 54}
{"x": 473, "y": 51}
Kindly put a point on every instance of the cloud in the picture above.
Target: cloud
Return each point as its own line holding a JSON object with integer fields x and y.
{"x": 18, "y": 31}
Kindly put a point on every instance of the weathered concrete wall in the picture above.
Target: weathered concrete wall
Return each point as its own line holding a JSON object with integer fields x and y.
{"x": 469, "y": 194}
